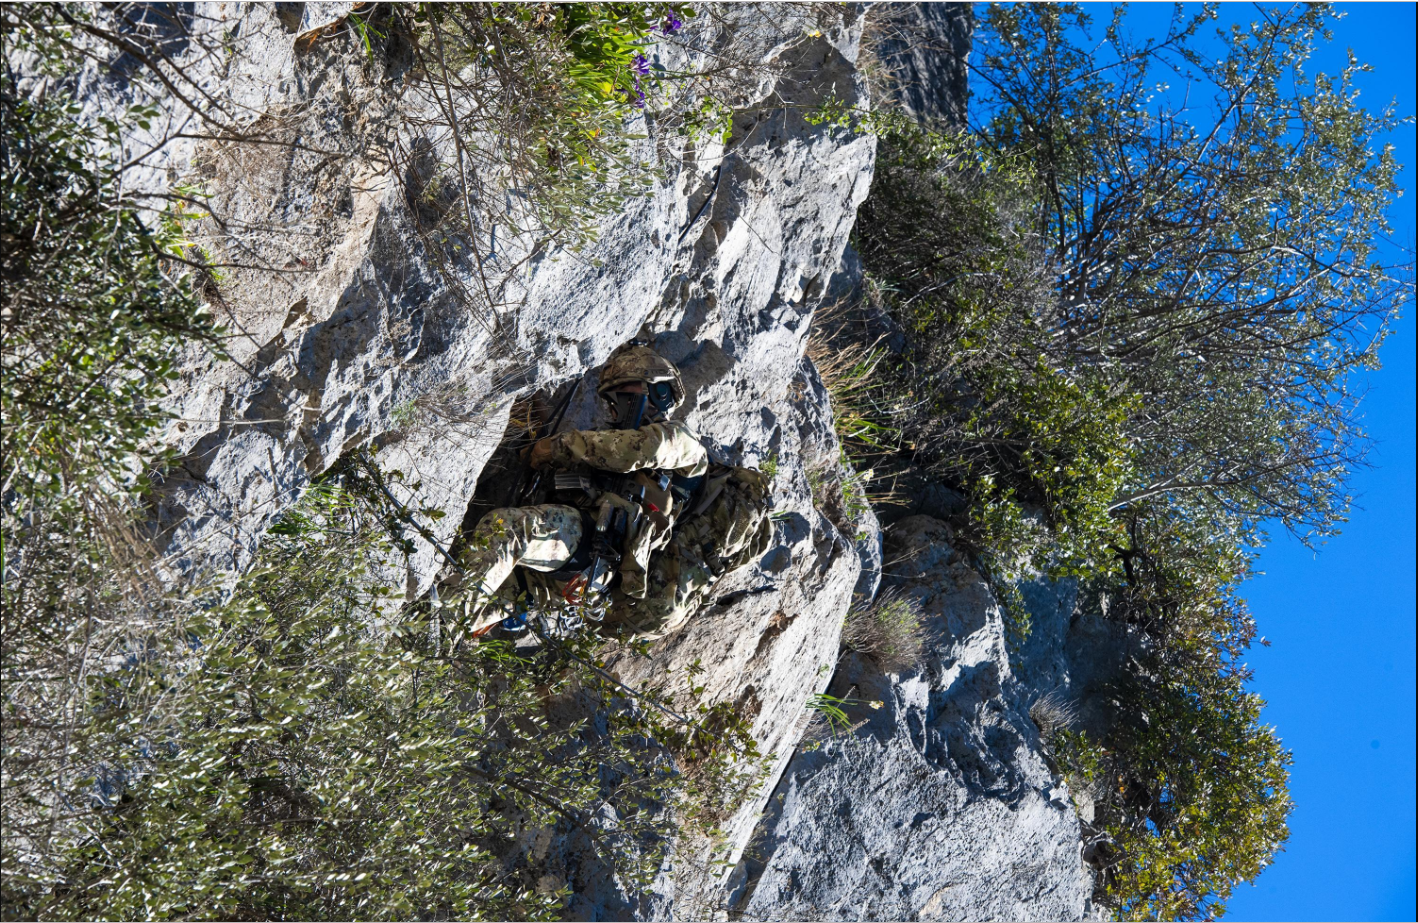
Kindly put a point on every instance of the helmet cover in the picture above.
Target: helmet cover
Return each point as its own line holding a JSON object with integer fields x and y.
{"x": 632, "y": 364}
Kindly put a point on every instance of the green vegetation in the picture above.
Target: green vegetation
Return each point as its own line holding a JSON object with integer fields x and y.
{"x": 1130, "y": 341}
{"x": 1013, "y": 430}
{"x": 830, "y": 708}
{"x": 1195, "y": 797}
{"x": 538, "y": 98}
{"x": 715, "y": 749}
{"x": 1222, "y": 273}
{"x": 1191, "y": 786}
{"x": 861, "y": 405}
{"x": 97, "y": 304}
{"x": 288, "y": 744}
{"x": 275, "y": 758}
{"x": 278, "y": 755}
{"x": 863, "y": 417}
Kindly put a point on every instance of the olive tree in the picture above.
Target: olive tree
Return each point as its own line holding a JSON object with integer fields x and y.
{"x": 1130, "y": 323}
{"x": 1217, "y": 258}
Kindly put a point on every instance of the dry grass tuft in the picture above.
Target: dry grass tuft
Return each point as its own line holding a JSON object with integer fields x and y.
{"x": 849, "y": 358}
{"x": 889, "y": 630}
{"x": 1054, "y": 711}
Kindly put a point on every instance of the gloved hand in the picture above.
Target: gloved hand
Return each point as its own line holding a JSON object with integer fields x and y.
{"x": 542, "y": 452}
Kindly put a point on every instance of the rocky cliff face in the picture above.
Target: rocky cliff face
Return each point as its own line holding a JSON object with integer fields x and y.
{"x": 936, "y": 804}
{"x": 923, "y": 49}
{"x": 351, "y": 327}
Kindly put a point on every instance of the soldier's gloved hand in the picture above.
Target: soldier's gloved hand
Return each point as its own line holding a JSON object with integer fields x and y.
{"x": 542, "y": 452}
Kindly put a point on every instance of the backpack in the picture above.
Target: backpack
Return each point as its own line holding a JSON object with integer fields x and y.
{"x": 730, "y": 522}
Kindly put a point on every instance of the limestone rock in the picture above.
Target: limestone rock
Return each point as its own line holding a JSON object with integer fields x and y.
{"x": 936, "y": 803}
{"x": 925, "y": 47}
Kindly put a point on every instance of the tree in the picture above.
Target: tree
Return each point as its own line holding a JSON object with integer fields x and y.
{"x": 276, "y": 755}
{"x": 1130, "y": 327}
{"x": 1190, "y": 787}
{"x": 96, "y": 306}
{"x": 1217, "y": 259}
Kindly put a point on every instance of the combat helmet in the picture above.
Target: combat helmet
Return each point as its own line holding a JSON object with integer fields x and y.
{"x": 639, "y": 369}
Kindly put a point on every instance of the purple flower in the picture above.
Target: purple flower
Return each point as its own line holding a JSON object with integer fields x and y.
{"x": 672, "y": 24}
{"x": 640, "y": 66}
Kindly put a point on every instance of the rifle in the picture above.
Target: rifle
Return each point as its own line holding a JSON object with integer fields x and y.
{"x": 519, "y": 496}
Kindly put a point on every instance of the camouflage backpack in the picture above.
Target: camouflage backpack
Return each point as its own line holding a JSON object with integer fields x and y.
{"x": 730, "y": 521}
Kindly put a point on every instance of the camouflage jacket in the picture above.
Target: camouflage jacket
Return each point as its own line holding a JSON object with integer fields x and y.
{"x": 730, "y": 526}
{"x": 671, "y": 447}
{"x": 656, "y": 446}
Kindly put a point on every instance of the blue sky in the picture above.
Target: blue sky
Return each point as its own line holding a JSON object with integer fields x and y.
{"x": 1339, "y": 674}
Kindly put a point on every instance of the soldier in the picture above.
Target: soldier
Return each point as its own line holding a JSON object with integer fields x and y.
{"x": 727, "y": 526}
{"x": 558, "y": 547}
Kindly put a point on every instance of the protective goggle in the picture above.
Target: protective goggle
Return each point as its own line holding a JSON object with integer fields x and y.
{"x": 662, "y": 396}
{"x": 624, "y": 402}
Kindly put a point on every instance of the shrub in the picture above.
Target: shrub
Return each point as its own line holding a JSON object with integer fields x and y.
{"x": 97, "y": 305}
{"x": 1220, "y": 271}
{"x": 842, "y": 494}
{"x": 1054, "y": 713}
{"x": 1191, "y": 791}
{"x": 864, "y": 409}
{"x": 1040, "y": 448}
{"x": 720, "y": 766}
{"x": 280, "y": 754}
{"x": 987, "y": 411}
{"x": 864, "y": 415}
{"x": 96, "y": 311}
{"x": 538, "y": 99}
{"x": 276, "y": 755}
{"x": 1203, "y": 800}
{"x": 1045, "y": 449}
{"x": 1098, "y": 353}
{"x": 1054, "y": 363}
{"x": 1191, "y": 788}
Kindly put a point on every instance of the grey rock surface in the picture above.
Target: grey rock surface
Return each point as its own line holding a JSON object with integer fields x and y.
{"x": 1074, "y": 654}
{"x": 350, "y": 329}
{"x": 346, "y": 321}
{"x": 925, "y": 47}
{"x": 937, "y": 803}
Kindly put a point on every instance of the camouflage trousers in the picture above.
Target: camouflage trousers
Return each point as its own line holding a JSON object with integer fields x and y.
{"x": 543, "y": 539}
{"x": 677, "y": 583}
{"x": 540, "y": 538}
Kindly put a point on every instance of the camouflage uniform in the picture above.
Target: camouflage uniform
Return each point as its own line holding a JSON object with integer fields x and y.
{"x": 656, "y": 447}
{"x": 671, "y": 447}
{"x": 719, "y": 535}
{"x": 676, "y": 584}
{"x": 539, "y": 538}
{"x": 544, "y": 538}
